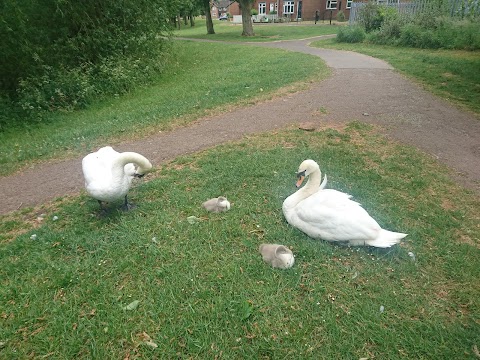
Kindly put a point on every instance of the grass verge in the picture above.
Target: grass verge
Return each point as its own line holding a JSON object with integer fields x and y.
{"x": 191, "y": 88}
{"x": 149, "y": 283}
{"x": 451, "y": 74}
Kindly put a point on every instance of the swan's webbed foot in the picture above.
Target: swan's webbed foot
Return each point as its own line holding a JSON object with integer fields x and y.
{"x": 128, "y": 206}
{"x": 103, "y": 210}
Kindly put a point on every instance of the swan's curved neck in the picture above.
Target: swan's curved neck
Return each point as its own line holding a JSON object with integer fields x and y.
{"x": 311, "y": 187}
{"x": 128, "y": 157}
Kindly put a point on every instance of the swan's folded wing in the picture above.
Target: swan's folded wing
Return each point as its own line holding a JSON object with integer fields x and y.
{"x": 96, "y": 168}
{"x": 340, "y": 220}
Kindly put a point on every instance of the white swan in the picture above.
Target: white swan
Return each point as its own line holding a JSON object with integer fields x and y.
{"x": 331, "y": 215}
{"x": 108, "y": 174}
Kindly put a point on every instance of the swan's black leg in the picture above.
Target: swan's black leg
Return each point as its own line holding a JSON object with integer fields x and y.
{"x": 126, "y": 205}
{"x": 103, "y": 209}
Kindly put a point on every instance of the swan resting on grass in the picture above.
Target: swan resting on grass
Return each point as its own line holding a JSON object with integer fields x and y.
{"x": 108, "y": 174}
{"x": 331, "y": 215}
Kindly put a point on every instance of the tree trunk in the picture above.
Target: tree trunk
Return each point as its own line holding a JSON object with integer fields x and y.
{"x": 208, "y": 18}
{"x": 192, "y": 20}
{"x": 246, "y": 8}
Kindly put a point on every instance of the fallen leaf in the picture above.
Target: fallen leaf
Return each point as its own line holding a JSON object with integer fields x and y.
{"x": 132, "y": 306}
{"x": 193, "y": 219}
{"x": 151, "y": 344}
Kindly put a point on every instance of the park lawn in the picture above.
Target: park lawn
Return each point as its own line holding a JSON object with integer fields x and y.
{"x": 227, "y": 31}
{"x": 168, "y": 280}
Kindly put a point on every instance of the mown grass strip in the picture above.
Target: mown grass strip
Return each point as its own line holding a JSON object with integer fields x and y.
{"x": 203, "y": 290}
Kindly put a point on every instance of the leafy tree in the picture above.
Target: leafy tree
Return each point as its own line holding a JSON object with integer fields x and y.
{"x": 246, "y": 10}
{"x": 208, "y": 15}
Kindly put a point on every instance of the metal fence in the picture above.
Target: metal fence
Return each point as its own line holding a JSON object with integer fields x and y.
{"x": 453, "y": 8}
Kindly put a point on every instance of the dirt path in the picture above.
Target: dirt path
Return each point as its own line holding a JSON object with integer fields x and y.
{"x": 361, "y": 88}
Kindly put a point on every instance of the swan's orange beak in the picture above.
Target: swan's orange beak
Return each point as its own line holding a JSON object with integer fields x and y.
{"x": 300, "y": 181}
{"x": 300, "y": 178}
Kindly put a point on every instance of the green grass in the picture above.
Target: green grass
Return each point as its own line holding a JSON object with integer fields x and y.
{"x": 227, "y": 31}
{"x": 203, "y": 78}
{"x": 451, "y": 74}
{"x": 204, "y": 291}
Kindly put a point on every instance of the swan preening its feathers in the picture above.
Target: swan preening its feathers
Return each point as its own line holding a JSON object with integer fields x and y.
{"x": 108, "y": 174}
{"x": 331, "y": 215}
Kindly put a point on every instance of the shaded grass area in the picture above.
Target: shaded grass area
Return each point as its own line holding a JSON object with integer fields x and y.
{"x": 226, "y": 31}
{"x": 202, "y": 79}
{"x": 451, "y": 74}
{"x": 203, "y": 290}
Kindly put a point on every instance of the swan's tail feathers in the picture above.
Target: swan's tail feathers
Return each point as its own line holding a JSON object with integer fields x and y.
{"x": 324, "y": 183}
{"x": 386, "y": 239}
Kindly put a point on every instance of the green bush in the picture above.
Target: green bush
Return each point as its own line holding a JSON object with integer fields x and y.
{"x": 409, "y": 35}
{"x": 426, "y": 31}
{"x": 53, "y": 50}
{"x": 370, "y": 16}
{"x": 341, "y": 16}
{"x": 461, "y": 34}
{"x": 350, "y": 34}
{"x": 68, "y": 89}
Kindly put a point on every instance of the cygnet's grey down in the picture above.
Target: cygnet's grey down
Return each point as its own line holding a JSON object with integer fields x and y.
{"x": 279, "y": 256}
{"x": 216, "y": 205}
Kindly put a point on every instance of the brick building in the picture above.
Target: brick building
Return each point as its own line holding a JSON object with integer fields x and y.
{"x": 292, "y": 10}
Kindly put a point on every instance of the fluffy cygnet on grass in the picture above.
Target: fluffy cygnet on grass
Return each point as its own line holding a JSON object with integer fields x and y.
{"x": 279, "y": 256}
{"x": 216, "y": 205}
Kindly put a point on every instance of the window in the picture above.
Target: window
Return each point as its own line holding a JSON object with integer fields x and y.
{"x": 288, "y": 7}
{"x": 262, "y": 8}
{"x": 272, "y": 7}
{"x": 349, "y": 4}
{"x": 331, "y": 4}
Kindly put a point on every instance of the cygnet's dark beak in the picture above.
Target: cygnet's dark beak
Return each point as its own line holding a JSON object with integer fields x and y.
{"x": 139, "y": 175}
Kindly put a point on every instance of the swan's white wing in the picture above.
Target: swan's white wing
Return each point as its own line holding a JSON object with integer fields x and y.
{"x": 97, "y": 167}
{"x": 332, "y": 216}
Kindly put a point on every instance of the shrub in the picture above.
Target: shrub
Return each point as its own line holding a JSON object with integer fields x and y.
{"x": 56, "y": 89}
{"x": 425, "y": 31}
{"x": 341, "y": 16}
{"x": 62, "y": 88}
{"x": 52, "y": 43}
{"x": 462, "y": 34}
{"x": 350, "y": 34}
{"x": 369, "y": 16}
{"x": 415, "y": 36}
{"x": 389, "y": 32}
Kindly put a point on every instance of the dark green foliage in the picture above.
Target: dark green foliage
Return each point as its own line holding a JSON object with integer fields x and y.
{"x": 431, "y": 25}
{"x": 415, "y": 36}
{"x": 371, "y": 16}
{"x": 54, "y": 50}
{"x": 351, "y": 34}
{"x": 439, "y": 32}
{"x": 341, "y": 16}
